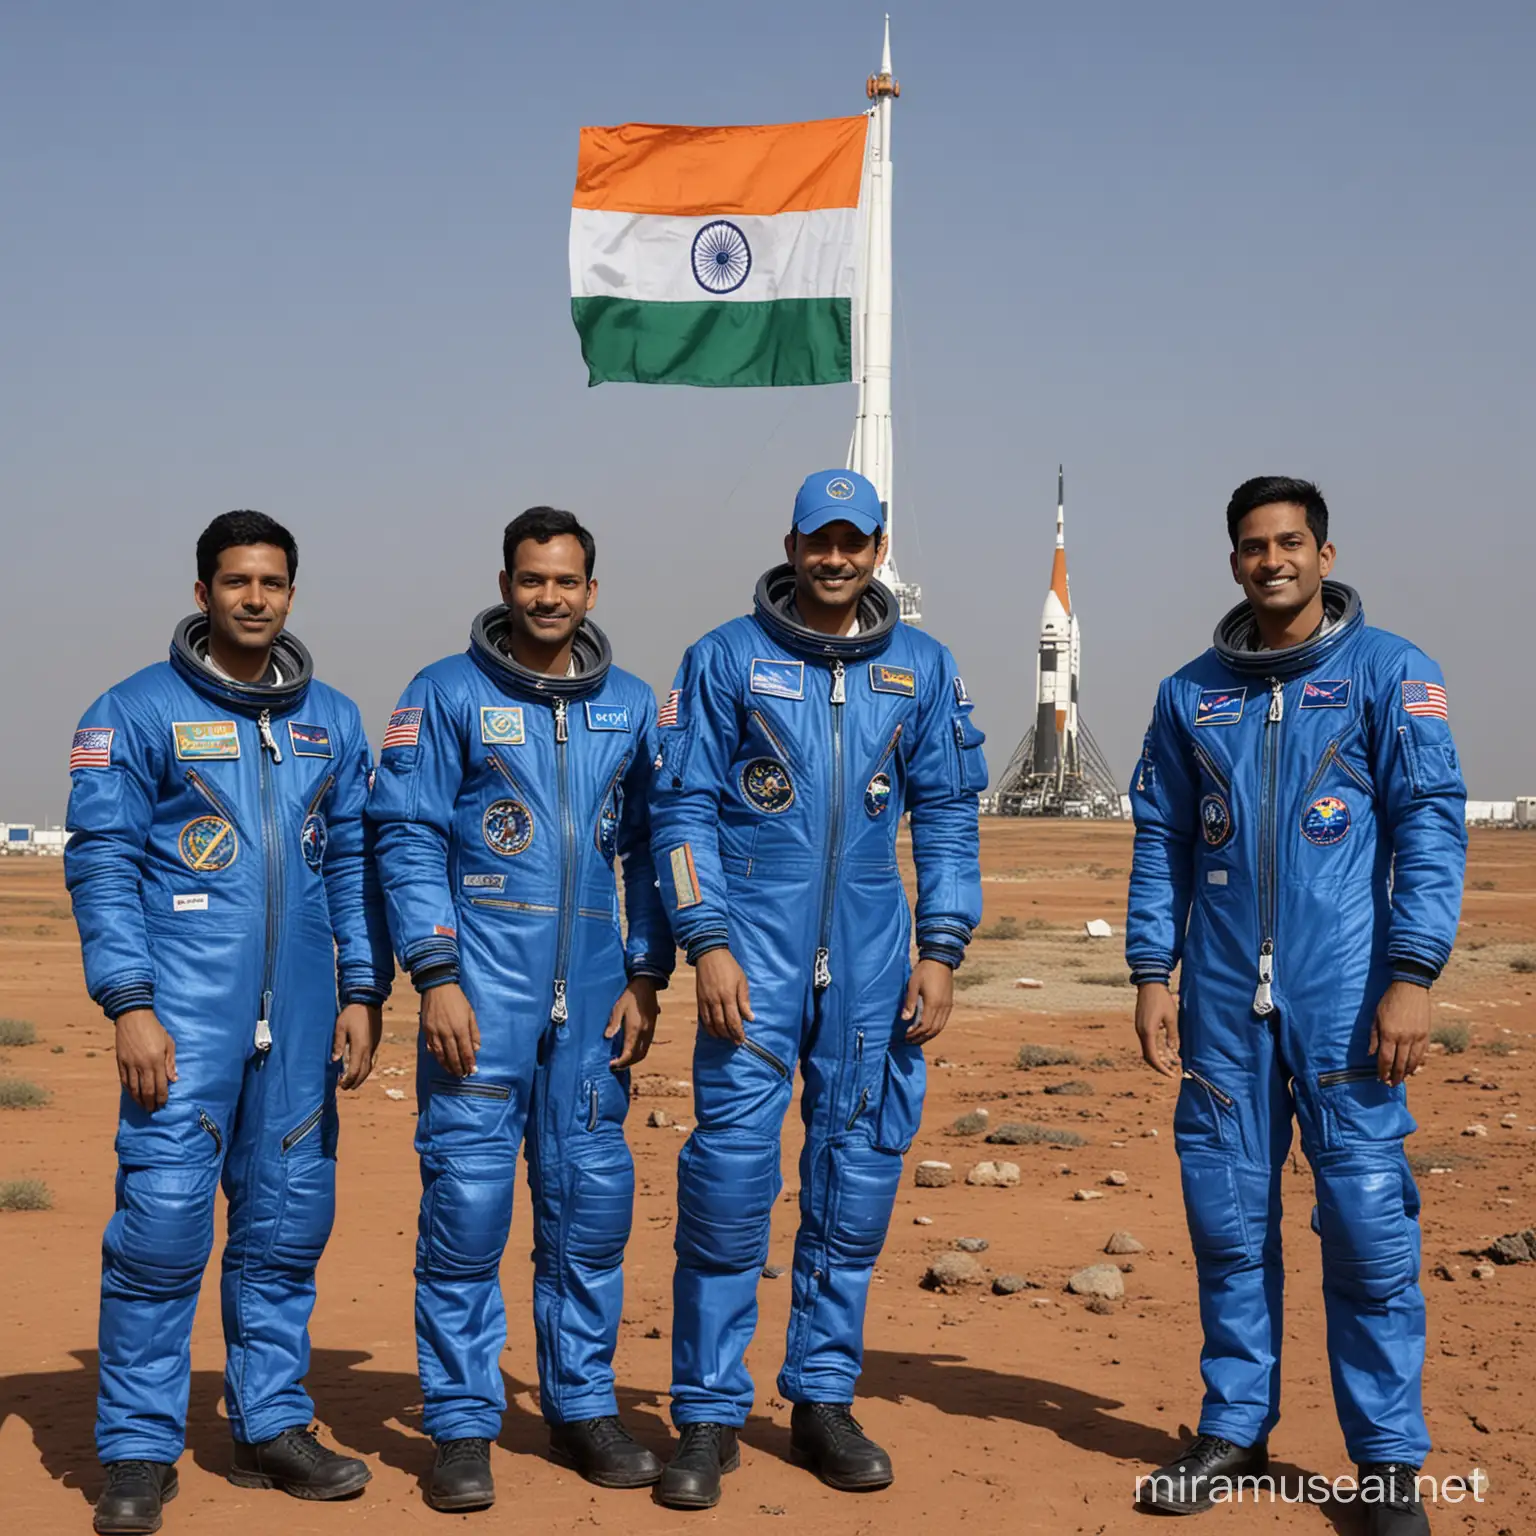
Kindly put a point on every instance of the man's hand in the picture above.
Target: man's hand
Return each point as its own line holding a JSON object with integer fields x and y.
{"x": 724, "y": 998}
{"x": 634, "y": 1013}
{"x": 930, "y": 997}
{"x": 1157, "y": 1022}
{"x": 359, "y": 1028}
{"x": 146, "y": 1058}
{"x": 1400, "y": 1033}
{"x": 448, "y": 1022}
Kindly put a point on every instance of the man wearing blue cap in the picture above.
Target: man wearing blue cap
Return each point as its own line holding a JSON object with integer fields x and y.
{"x": 794, "y": 740}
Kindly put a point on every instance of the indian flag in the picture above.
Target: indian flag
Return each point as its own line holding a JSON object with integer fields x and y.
{"x": 718, "y": 256}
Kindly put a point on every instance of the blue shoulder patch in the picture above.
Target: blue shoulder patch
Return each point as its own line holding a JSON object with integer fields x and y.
{"x": 902, "y": 680}
{"x": 1220, "y": 706}
{"x": 607, "y": 717}
{"x": 777, "y": 679}
{"x": 309, "y": 740}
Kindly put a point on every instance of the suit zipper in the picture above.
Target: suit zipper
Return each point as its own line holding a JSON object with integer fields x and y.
{"x": 759, "y": 720}
{"x": 272, "y": 850}
{"x": 1263, "y": 996}
{"x": 495, "y": 760}
{"x": 206, "y": 1121}
{"x": 766, "y": 1055}
{"x": 207, "y": 791}
{"x": 462, "y": 1088}
{"x": 858, "y": 1049}
{"x": 1209, "y": 764}
{"x": 823, "y": 975}
{"x": 503, "y": 905}
{"x": 1210, "y": 1088}
{"x": 1346, "y": 1075}
{"x": 890, "y": 747}
{"x": 558, "y": 1012}
{"x": 591, "y": 1090}
{"x": 302, "y": 1129}
{"x": 318, "y": 798}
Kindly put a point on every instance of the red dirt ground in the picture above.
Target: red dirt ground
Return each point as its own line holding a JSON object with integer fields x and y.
{"x": 1025, "y": 1413}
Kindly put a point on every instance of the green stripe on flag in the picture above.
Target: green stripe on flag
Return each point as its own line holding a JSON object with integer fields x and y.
{"x": 783, "y": 341}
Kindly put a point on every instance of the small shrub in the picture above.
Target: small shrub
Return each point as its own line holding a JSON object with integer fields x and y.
{"x": 1031, "y": 1055}
{"x": 24, "y": 1195}
{"x": 16, "y": 1094}
{"x": 1037, "y": 925}
{"x": 1025, "y": 1133}
{"x": 968, "y": 978}
{"x": 1003, "y": 928}
{"x": 1525, "y": 965}
{"x": 1072, "y": 1089}
{"x": 1454, "y": 1037}
{"x": 1103, "y": 979}
{"x": 17, "y": 1032}
{"x": 1500, "y": 1047}
{"x": 1419, "y": 1163}
{"x": 1485, "y": 885}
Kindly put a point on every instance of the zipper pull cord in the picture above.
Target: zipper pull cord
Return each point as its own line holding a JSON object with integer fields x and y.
{"x": 557, "y": 1014}
{"x": 264, "y": 1025}
{"x": 1263, "y": 997}
{"x": 823, "y": 978}
{"x": 562, "y": 730}
{"x": 1276, "y": 701}
{"x": 268, "y": 740}
{"x": 839, "y": 696}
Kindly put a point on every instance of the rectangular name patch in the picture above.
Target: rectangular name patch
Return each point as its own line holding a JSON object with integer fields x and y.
{"x": 1331, "y": 694}
{"x": 501, "y": 725}
{"x": 485, "y": 882}
{"x": 607, "y": 717}
{"x": 1215, "y": 877}
{"x": 92, "y": 747}
{"x": 197, "y": 903}
{"x": 309, "y": 740}
{"x": 778, "y": 679}
{"x": 902, "y": 680}
{"x": 1220, "y": 706}
{"x": 198, "y": 740}
{"x": 685, "y": 878}
{"x": 404, "y": 728}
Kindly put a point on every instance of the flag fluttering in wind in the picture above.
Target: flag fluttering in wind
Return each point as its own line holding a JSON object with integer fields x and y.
{"x": 718, "y": 256}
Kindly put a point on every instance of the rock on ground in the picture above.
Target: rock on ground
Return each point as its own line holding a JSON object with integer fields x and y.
{"x": 1118, "y": 1177}
{"x": 972, "y": 1244}
{"x": 970, "y": 1123}
{"x": 1514, "y": 1248}
{"x": 953, "y": 1272}
{"x": 1122, "y": 1242}
{"x": 933, "y": 1175}
{"x": 994, "y": 1175}
{"x": 659, "y": 1118}
{"x": 1011, "y": 1285}
{"x": 1098, "y": 1280}
{"x": 652, "y": 1085}
{"x": 1088, "y": 1194}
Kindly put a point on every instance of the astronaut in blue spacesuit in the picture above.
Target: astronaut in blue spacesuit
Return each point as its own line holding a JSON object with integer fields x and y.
{"x": 791, "y": 746}
{"x": 225, "y": 899}
{"x": 1300, "y": 847}
{"x": 512, "y": 777}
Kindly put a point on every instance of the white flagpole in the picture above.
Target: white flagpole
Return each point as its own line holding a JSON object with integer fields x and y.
{"x": 870, "y": 451}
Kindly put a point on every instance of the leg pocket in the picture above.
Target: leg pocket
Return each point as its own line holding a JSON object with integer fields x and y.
{"x": 1218, "y": 1231}
{"x": 307, "y": 1198}
{"x": 1356, "y": 1106}
{"x": 903, "y": 1083}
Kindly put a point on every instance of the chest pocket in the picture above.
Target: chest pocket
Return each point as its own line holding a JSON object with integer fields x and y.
{"x": 1433, "y": 767}
{"x": 611, "y": 812}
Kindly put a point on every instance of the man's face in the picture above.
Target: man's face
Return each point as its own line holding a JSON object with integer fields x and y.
{"x": 1277, "y": 562}
{"x": 834, "y": 564}
{"x": 548, "y": 594}
{"x": 247, "y": 601}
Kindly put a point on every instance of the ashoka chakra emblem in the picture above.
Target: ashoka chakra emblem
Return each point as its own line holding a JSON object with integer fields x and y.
{"x": 721, "y": 257}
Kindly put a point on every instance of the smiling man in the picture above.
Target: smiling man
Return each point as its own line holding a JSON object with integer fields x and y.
{"x": 793, "y": 743}
{"x": 227, "y": 905}
{"x": 1300, "y": 846}
{"x": 512, "y": 777}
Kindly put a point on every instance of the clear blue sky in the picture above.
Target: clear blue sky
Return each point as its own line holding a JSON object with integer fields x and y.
{"x": 312, "y": 259}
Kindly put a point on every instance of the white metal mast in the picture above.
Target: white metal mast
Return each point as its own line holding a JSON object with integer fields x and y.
{"x": 870, "y": 451}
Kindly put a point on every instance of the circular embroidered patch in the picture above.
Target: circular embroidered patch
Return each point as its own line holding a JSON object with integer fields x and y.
{"x": 508, "y": 827}
{"x": 312, "y": 840}
{"x": 840, "y": 489}
{"x": 1215, "y": 820}
{"x": 766, "y": 786}
{"x": 877, "y": 794}
{"x": 208, "y": 843}
{"x": 1325, "y": 822}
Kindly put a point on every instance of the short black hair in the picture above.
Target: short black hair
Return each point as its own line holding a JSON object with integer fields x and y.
{"x": 230, "y": 529}
{"x": 1264, "y": 489}
{"x": 541, "y": 524}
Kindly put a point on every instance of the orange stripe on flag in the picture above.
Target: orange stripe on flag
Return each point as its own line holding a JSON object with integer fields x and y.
{"x": 775, "y": 168}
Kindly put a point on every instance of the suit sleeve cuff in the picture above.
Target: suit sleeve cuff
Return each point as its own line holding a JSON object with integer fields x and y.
{"x": 125, "y": 996}
{"x": 701, "y": 945}
{"x": 1149, "y": 975}
{"x": 1414, "y": 972}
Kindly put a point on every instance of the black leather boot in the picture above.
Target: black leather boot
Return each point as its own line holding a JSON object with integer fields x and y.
{"x": 705, "y": 1453}
{"x": 1183, "y": 1487}
{"x": 297, "y": 1463}
{"x": 828, "y": 1439}
{"x": 461, "y": 1476}
{"x": 1391, "y": 1501}
{"x": 130, "y": 1503}
{"x": 604, "y": 1452}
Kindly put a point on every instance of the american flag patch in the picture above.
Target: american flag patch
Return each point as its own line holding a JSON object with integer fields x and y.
{"x": 1425, "y": 699}
{"x": 404, "y": 727}
{"x": 667, "y": 714}
{"x": 92, "y": 747}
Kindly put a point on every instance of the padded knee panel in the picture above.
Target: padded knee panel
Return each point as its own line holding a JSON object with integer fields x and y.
{"x": 1218, "y": 1227}
{"x": 1366, "y": 1215}
{"x": 466, "y": 1214}
{"x": 864, "y": 1192}
{"x": 601, "y": 1202}
{"x": 726, "y": 1187}
{"x": 158, "y": 1241}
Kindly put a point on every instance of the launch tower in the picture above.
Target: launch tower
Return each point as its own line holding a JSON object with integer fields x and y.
{"x": 1058, "y": 769}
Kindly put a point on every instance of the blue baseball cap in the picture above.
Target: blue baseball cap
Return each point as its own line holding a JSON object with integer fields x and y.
{"x": 838, "y": 495}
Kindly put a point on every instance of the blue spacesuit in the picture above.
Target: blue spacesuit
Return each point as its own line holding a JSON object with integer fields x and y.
{"x": 220, "y": 876}
{"x": 788, "y": 758}
{"x": 502, "y": 799}
{"x": 1302, "y": 810}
